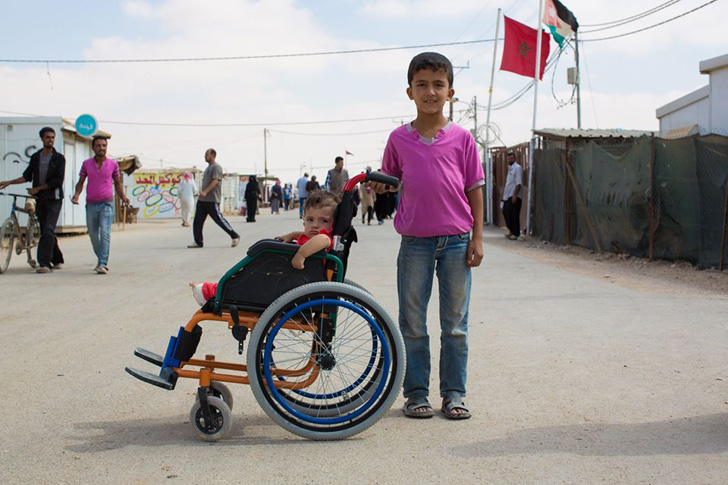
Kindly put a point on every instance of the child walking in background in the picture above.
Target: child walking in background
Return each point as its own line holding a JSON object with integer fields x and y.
{"x": 440, "y": 219}
{"x": 318, "y": 217}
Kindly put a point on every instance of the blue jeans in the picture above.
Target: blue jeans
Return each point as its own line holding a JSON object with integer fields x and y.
{"x": 99, "y": 216}
{"x": 301, "y": 202}
{"x": 419, "y": 259}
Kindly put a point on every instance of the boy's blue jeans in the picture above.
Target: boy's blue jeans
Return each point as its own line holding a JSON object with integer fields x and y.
{"x": 419, "y": 259}
{"x": 99, "y": 216}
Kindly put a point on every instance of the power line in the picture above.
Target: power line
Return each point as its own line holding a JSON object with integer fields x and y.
{"x": 331, "y": 134}
{"x": 238, "y": 58}
{"x": 630, "y": 18}
{"x": 651, "y": 26}
{"x": 238, "y": 125}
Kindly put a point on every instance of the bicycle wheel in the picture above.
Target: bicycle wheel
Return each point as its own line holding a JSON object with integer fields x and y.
{"x": 32, "y": 237}
{"x": 7, "y": 239}
{"x": 325, "y": 361}
{"x": 33, "y": 232}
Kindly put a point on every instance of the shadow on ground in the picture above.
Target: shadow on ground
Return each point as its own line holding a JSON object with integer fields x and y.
{"x": 693, "y": 435}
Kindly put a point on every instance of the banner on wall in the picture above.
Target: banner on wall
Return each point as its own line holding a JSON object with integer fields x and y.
{"x": 157, "y": 194}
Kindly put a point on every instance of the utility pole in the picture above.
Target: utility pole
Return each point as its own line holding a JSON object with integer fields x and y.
{"x": 475, "y": 116}
{"x": 456, "y": 70}
{"x": 578, "y": 81}
{"x": 265, "y": 151}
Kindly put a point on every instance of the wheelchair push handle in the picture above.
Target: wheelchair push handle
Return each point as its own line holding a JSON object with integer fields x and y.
{"x": 383, "y": 178}
{"x": 379, "y": 177}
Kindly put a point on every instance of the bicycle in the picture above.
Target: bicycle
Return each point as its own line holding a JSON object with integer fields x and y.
{"x": 13, "y": 234}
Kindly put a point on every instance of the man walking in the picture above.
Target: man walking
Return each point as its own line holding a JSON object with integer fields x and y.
{"x": 512, "y": 198}
{"x": 46, "y": 170}
{"x": 209, "y": 202}
{"x": 103, "y": 177}
{"x": 337, "y": 177}
{"x": 302, "y": 193}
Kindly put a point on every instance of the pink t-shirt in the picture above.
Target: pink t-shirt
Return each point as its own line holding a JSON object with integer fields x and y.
{"x": 100, "y": 186}
{"x": 435, "y": 176}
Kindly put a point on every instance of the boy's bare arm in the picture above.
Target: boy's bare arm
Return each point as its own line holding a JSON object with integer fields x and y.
{"x": 312, "y": 246}
{"x": 291, "y": 236}
{"x": 475, "y": 247}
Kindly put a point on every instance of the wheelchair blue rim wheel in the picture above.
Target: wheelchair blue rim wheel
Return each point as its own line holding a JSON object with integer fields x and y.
{"x": 377, "y": 334}
{"x": 354, "y": 385}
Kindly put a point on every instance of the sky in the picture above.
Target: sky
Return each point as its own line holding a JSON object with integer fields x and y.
{"x": 317, "y": 107}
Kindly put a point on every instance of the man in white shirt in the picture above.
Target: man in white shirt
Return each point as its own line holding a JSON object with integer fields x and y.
{"x": 512, "y": 198}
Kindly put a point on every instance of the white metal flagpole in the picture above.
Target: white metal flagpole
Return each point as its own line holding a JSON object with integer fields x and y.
{"x": 486, "y": 154}
{"x": 532, "y": 144}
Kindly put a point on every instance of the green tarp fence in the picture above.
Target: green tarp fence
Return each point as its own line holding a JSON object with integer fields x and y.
{"x": 649, "y": 197}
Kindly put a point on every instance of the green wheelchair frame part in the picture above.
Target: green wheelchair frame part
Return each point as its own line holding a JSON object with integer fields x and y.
{"x": 247, "y": 259}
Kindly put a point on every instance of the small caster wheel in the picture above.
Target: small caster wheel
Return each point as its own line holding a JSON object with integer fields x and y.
{"x": 218, "y": 426}
{"x": 222, "y": 391}
{"x": 33, "y": 263}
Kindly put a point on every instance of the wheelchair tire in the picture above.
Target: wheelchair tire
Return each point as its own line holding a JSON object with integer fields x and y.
{"x": 221, "y": 419}
{"x": 7, "y": 240}
{"x": 222, "y": 391}
{"x": 345, "y": 385}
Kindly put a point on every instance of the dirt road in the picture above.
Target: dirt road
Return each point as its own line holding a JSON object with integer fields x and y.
{"x": 577, "y": 374}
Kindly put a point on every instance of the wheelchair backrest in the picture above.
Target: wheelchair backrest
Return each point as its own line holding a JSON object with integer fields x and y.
{"x": 265, "y": 274}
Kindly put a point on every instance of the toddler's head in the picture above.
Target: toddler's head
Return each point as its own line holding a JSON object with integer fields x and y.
{"x": 318, "y": 212}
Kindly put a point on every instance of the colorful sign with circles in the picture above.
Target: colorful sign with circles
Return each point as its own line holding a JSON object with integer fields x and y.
{"x": 86, "y": 125}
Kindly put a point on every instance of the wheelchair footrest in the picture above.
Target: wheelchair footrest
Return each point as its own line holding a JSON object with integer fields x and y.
{"x": 150, "y": 378}
{"x": 150, "y": 357}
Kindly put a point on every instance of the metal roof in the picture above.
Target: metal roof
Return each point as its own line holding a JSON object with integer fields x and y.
{"x": 591, "y": 133}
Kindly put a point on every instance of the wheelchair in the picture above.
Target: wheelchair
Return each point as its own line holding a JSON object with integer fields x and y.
{"x": 324, "y": 360}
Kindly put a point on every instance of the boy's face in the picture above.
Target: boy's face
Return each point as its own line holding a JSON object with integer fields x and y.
{"x": 317, "y": 218}
{"x": 430, "y": 90}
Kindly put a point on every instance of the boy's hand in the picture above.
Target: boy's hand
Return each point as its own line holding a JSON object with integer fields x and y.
{"x": 381, "y": 188}
{"x": 74, "y": 199}
{"x": 298, "y": 260}
{"x": 475, "y": 253}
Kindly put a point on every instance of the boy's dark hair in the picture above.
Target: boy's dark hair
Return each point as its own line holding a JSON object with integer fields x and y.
{"x": 98, "y": 137}
{"x": 212, "y": 150}
{"x": 338, "y": 159}
{"x": 432, "y": 61}
{"x": 321, "y": 198}
{"x": 44, "y": 130}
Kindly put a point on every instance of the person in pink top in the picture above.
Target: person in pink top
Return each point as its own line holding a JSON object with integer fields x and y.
{"x": 103, "y": 177}
{"x": 440, "y": 219}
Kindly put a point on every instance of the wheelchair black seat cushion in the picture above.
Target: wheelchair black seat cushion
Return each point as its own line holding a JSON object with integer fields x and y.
{"x": 269, "y": 275}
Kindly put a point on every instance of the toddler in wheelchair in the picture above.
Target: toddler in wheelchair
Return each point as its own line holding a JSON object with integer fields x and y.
{"x": 318, "y": 217}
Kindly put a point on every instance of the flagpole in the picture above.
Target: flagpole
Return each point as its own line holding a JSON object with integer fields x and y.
{"x": 486, "y": 154}
{"x": 532, "y": 144}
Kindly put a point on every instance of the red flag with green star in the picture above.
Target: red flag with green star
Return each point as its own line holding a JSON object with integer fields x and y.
{"x": 519, "y": 49}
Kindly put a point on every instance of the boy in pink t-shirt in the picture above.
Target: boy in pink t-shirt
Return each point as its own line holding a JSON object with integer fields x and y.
{"x": 440, "y": 219}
